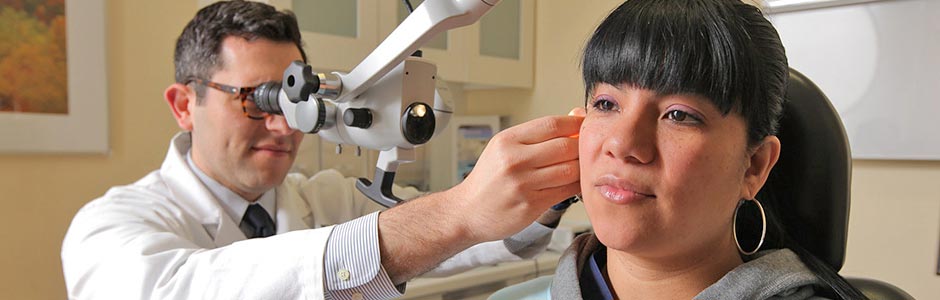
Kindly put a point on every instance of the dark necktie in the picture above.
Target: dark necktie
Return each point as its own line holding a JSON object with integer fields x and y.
{"x": 257, "y": 222}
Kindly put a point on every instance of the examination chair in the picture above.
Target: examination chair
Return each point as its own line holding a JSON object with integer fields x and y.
{"x": 813, "y": 174}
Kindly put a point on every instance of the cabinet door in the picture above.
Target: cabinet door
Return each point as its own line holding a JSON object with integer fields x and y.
{"x": 448, "y": 50}
{"x": 502, "y": 46}
{"x": 337, "y": 34}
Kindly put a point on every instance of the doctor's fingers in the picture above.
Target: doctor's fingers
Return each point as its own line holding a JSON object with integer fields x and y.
{"x": 553, "y": 176}
{"x": 542, "y": 129}
{"x": 546, "y": 153}
{"x": 551, "y": 196}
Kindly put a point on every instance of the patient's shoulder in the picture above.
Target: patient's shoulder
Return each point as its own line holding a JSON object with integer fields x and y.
{"x": 768, "y": 274}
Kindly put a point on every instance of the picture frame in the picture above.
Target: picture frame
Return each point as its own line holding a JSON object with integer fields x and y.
{"x": 471, "y": 134}
{"x": 781, "y": 6}
{"x": 84, "y": 128}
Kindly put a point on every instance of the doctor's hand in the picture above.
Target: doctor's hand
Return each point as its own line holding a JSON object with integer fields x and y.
{"x": 522, "y": 172}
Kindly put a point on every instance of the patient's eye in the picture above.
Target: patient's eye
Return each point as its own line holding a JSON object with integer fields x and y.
{"x": 682, "y": 117}
{"x": 603, "y": 104}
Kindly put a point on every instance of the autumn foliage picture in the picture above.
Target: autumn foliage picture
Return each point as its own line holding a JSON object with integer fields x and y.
{"x": 33, "y": 57}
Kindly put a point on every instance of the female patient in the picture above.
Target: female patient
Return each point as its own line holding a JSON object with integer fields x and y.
{"x": 683, "y": 100}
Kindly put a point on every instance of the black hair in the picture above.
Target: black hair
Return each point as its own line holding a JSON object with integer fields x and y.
{"x": 723, "y": 50}
{"x": 198, "y": 46}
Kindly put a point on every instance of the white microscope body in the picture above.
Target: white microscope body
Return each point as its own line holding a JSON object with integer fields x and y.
{"x": 388, "y": 102}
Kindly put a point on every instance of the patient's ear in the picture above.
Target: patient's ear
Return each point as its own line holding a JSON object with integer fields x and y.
{"x": 181, "y": 98}
{"x": 577, "y": 111}
{"x": 761, "y": 160}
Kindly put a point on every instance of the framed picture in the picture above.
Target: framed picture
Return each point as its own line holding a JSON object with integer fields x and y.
{"x": 53, "y": 98}
{"x": 472, "y": 134}
{"x": 779, "y": 6}
{"x": 867, "y": 57}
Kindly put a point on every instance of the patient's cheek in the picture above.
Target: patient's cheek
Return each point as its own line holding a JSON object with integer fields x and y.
{"x": 588, "y": 139}
{"x": 591, "y": 129}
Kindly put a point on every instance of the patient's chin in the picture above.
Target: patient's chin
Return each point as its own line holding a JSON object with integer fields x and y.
{"x": 620, "y": 239}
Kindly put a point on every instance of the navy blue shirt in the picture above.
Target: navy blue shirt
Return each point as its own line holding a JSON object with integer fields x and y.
{"x": 593, "y": 284}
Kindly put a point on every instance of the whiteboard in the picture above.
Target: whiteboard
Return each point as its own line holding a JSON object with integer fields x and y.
{"x": 879, "y": 64}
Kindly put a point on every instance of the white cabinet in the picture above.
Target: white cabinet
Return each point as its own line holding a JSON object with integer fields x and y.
{"x": 497, "y": 51}
{"x": 337, "y": 34}
{"x": 501, "y": 46}
{"x": 448, "y": 50}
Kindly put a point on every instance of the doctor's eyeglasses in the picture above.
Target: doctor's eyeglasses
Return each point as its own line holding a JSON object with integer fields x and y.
{"x": 243, "y": 94}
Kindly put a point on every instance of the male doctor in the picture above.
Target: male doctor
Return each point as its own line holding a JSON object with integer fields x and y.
{"x": 222, "y": 219}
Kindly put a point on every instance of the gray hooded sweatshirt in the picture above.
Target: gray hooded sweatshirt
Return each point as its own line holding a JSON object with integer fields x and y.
{"x": 771, "y": 274}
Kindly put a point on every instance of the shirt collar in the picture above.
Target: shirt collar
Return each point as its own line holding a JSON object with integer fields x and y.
{"x": 596, "y": 279}
{"x": 233, "y": 204}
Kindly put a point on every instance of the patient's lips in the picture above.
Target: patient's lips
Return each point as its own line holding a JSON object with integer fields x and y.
{"x": 622, "y": 191}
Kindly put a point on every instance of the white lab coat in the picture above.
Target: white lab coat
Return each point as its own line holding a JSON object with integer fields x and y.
{"x": 167, "y": 237}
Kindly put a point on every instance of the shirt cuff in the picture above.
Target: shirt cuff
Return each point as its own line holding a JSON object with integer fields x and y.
{"x": 352, "y": 263}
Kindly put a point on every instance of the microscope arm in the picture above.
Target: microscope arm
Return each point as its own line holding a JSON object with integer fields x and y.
{"x": 424, "y": 23}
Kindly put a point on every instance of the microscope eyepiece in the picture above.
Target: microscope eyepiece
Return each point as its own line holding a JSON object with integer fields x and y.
{"x": 265, "y": 97}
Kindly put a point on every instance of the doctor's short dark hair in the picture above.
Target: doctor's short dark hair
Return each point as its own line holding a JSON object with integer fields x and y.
{"x": 198, "y": 46}
{"x": 724, "y": 50}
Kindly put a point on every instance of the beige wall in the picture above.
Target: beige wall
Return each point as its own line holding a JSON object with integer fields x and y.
{"x": 41, "y": 193}
{"x": 894, "y": 227}
{"x": 895, "y": 221}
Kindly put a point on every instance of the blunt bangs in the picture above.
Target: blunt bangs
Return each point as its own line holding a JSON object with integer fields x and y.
{"x": 702, "y": 47}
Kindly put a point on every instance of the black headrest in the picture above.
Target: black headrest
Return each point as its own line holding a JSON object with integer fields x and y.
{"x": 811, "y": 180}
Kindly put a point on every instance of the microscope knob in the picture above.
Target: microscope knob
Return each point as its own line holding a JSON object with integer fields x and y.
{"x": 299, "y": 81}
{"x": 358, "y": 117}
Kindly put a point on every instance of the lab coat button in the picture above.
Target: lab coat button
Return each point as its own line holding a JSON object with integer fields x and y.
{"x": 343, "y": 275}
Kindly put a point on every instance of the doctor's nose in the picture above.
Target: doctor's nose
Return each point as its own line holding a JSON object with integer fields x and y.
{"x": 278, "y": 125}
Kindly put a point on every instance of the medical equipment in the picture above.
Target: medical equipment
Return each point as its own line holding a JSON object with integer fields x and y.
{"x": 388, "y": 102}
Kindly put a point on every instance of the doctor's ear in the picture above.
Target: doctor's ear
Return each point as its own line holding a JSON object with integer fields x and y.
{"x": 181, "y": 97}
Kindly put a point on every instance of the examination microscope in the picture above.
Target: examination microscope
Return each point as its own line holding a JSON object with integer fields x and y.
{"x": 387, "y": 103}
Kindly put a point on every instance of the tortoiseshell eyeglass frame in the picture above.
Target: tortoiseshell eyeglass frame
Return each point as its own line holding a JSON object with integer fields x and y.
{"x": 243, "y": 94}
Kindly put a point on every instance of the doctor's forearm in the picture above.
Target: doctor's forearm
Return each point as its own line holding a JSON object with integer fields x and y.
{"x": 420, "y": 234}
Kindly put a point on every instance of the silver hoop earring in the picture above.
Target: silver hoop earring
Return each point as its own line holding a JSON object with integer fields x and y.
{"x": 763, "y": 231}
